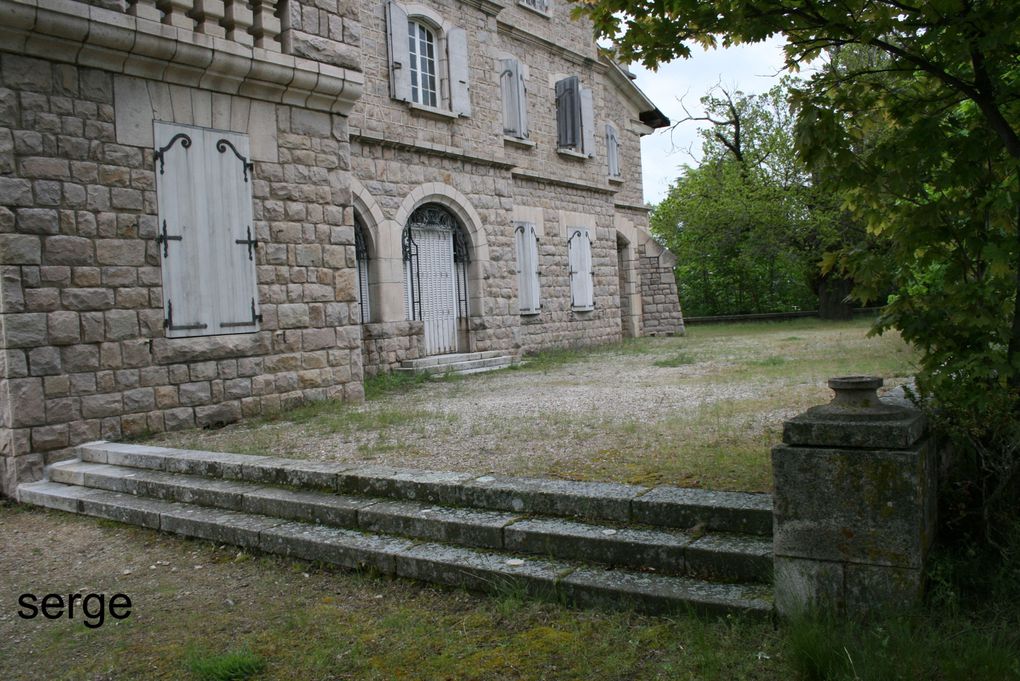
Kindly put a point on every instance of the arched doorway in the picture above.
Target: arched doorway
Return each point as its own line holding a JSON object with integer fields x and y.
{"x": 436, "y": 258}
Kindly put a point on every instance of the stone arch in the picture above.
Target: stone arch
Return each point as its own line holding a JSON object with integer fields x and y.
{"x": 385, "y": 271}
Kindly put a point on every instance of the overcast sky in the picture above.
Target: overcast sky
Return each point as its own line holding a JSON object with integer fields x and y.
{"x": 749, "y": 68}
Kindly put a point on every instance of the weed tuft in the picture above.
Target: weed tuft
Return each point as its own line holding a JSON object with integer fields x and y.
{"x": 232, "y": 666}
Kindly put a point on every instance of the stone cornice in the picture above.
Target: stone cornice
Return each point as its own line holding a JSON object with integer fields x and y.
{"x": 560, "y": 181}
{"x": 632, "y": 206}
{"x": 570, "y": 55}
{"x": 77, "y": 33}
{"x": 489, "y": 7}
{"x": 370, "y": 137}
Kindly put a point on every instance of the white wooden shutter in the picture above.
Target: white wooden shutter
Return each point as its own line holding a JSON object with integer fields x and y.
{"x": 233, "y": 283}
{"x": 457, "y": 51}
{"x": 515, "y": 102}
{"x": 613, "y": 150}
{"x": 579, "y": 256}
{"x": 568, "y": 113}
{"x": 397, "y": 44}
{"x": 208, "y": 255}
{"x": 528, "y": 290}
{"x": 182, "y": 204}
{"x": 587, "y": 123}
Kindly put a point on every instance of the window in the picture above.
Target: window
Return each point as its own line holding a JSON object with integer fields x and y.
{"x": 206, "y": 244}
{"x": 575, "y": 117}
{"x": 537, "y": 5}
{"x": 613, "y": 151}
{"x": 582, "y": 289}
{"x": 528, "y": 290}
{"x": 429, "y": 65}
{"x": 515, "y": 101}
{"x": 421, "y": 48}
{"x": 361, "y": 255}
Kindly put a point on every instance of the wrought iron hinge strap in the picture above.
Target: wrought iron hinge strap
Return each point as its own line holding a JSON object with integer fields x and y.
{"x": 169, "y": 325}
{"x": 249, "y": 242}
{"x": 165, "y": 238}
{"x": 255, "y": 318}
{"x": 161, "y": 154}
{"x": 221, "y": 146}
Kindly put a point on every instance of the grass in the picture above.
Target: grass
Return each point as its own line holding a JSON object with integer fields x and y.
{"x": 701, "y": 410}
{"x": 296, "y": 620}
{"x": 232, "y": 666}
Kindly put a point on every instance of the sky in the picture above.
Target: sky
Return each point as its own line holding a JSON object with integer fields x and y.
{"x": 749, "y": 68}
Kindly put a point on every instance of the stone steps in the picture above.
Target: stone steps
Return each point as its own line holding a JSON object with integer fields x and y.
{"x": 459, "y": 367}
{"x": 565, "y": 581}
{"x": 711, "y": 556}
{"x": 663, "y": 506}
{"x": 433, "y": 360}
{"x": 654, "y": 549}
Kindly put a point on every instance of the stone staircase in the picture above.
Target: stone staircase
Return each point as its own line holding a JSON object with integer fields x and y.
{"x": 656, "y": 550}
{"x": 461, "y": 364}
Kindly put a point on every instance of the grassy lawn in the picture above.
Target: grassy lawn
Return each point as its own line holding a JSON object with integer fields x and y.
{"x": 211, "y": 613}
{"x": 702, "y": 410}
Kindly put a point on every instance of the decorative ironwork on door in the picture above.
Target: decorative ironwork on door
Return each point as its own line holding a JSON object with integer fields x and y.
{"x": 434, "y": 234}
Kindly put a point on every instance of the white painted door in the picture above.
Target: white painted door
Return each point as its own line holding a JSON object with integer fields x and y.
{"x": 435, "y": 284}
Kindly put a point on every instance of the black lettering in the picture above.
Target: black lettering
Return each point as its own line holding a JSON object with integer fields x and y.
{"x": 28, "y": 602}
{"x": 114, "y": 604}
{"x": 70, "y": 605}
{"x": 56, "y": 602}
{"x": 90, "y": 616}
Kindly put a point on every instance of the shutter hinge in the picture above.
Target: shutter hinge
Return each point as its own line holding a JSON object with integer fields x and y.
{"x": 221, "y": 146}
{"x": 161, "y": 153}
{"x": 168, "y": 321}
{"x": 255, "y": 319}
{"x": 249, "y": 242}
{"x": 164, "y": 239}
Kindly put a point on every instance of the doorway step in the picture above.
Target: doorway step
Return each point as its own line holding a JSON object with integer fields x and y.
{"x": 461, "y": 363}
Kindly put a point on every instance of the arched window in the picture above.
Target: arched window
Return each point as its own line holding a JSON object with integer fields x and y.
{"x": 421, "y": 48}
{"x": 361, "y": 254}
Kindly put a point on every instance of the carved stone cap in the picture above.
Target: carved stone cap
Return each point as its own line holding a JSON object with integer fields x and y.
{"x": 857, "y": 418}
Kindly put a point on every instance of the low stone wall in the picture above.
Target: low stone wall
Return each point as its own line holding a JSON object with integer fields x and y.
{"x": 386, "y": 344}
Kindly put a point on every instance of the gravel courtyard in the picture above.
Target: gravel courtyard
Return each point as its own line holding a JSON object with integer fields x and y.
{"x": 701, "y": 410}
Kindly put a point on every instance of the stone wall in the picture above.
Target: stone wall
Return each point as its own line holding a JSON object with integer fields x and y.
{"x": 386, "y": 344}
{"x": 82, "y": 321}
{"x": 660, "y": 304}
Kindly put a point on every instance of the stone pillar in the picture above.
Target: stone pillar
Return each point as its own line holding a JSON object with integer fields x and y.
{"x": 854, "y": 503}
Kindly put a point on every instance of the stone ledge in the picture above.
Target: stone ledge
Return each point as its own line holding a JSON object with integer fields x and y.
{"x": 93, "y": 37}
{"x": 662, "y": 506}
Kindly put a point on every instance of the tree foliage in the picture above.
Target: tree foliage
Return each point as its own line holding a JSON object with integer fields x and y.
{"x": 914, "y": 116}
{"x": 747, "y": 225}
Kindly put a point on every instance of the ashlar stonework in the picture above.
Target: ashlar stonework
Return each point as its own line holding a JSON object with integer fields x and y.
{"x": 341, "y": 152}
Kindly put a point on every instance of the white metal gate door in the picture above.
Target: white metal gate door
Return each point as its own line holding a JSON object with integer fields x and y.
{"x": 436, "y": 286}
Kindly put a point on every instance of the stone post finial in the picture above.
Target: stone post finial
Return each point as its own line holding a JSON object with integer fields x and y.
{"x": 856, "y": 391}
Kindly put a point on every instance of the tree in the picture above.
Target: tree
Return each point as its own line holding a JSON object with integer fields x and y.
{"x": 748, "y": 225}
{"x": 914, "y": 114}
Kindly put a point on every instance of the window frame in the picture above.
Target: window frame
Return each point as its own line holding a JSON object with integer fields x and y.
{"x": 419, "y": 33}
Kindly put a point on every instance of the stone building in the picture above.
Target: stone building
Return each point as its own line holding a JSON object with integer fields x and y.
{"x": 211, "y": 209}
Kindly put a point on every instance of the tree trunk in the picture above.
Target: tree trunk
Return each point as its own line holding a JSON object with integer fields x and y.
{"x": 834, "y": 298}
